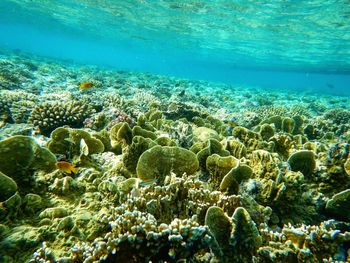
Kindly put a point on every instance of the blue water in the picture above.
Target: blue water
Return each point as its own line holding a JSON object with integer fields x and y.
{"x": 303, "y": 45}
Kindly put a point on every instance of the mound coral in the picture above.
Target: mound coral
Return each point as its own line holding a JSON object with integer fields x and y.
{"x": 49, "y": 116}
{"x": 21, "y": 155}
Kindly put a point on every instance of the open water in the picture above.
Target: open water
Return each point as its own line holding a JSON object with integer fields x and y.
{"x": 272, "y": 44}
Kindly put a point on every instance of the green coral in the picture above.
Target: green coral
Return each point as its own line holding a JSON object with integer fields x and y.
{"x": 213, "y": 147}
{"x": 303, "y": 161}
{"x": 21, "y": 155}
{"x": 132, "y": 154}
{"x": 68, "y": 141}
{"x": 230, "y": 183}
{"x": 8, "y": 187}
{"x": 339, "y": 205}
{"x": 121, "y": 133}
{"x": 237, "y": 238}
{"x": 218, "y": 166}
{"x": 288, "y": 125}
{"x": 159, "y": 161}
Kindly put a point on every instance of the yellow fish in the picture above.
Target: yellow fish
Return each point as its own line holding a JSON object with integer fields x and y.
{"x": 66, "y": 167}
{"x": 86, "y": 85}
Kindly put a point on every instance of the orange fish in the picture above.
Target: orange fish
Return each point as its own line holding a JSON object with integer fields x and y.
{"x": 66, "y": 167}
{"x": 86, "y": 85}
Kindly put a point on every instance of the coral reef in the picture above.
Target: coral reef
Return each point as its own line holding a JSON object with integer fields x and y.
{"x": 168, "y": 170}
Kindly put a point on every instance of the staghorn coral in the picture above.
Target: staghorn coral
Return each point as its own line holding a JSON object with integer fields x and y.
{"x": 49, "y": 116}
{"x": 265, "y": 112}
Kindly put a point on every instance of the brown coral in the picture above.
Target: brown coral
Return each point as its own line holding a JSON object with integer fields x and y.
{"x": 49, "y": 116}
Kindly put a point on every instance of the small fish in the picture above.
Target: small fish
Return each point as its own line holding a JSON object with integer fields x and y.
{"x": 149, "y": 182}
{"x": 330, "y": 86}
{"x": 66, "y": 167}
{"x": 182, "y": 93}
{"x": 84, "y": 149}
{"x": 86, "y": 85}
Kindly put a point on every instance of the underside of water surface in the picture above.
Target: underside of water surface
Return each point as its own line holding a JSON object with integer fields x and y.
{"x": 174, "y": 131}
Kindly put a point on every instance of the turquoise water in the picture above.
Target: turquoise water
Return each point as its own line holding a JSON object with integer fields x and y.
{"x": 174, "y": 131}
{"x": 272, "y": 44}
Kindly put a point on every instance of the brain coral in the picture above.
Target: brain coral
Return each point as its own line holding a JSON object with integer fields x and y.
{"x": 49, "y": 116}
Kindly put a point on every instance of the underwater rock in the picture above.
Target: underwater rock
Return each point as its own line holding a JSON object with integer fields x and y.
{"x": 20, "y": 155}
{"x": 32, "y": 203}
{"x": 159, "y": 161}
{"x": 8, "y": 187}
{"x": 339, "y": 205}
{"x": 53, "y": 212}
{"x": 303, "y": 161}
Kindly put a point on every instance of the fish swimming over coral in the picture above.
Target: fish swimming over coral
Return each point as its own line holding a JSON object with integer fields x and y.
{"x": 86, "y": 85}
{"x": 66, "y": 167}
